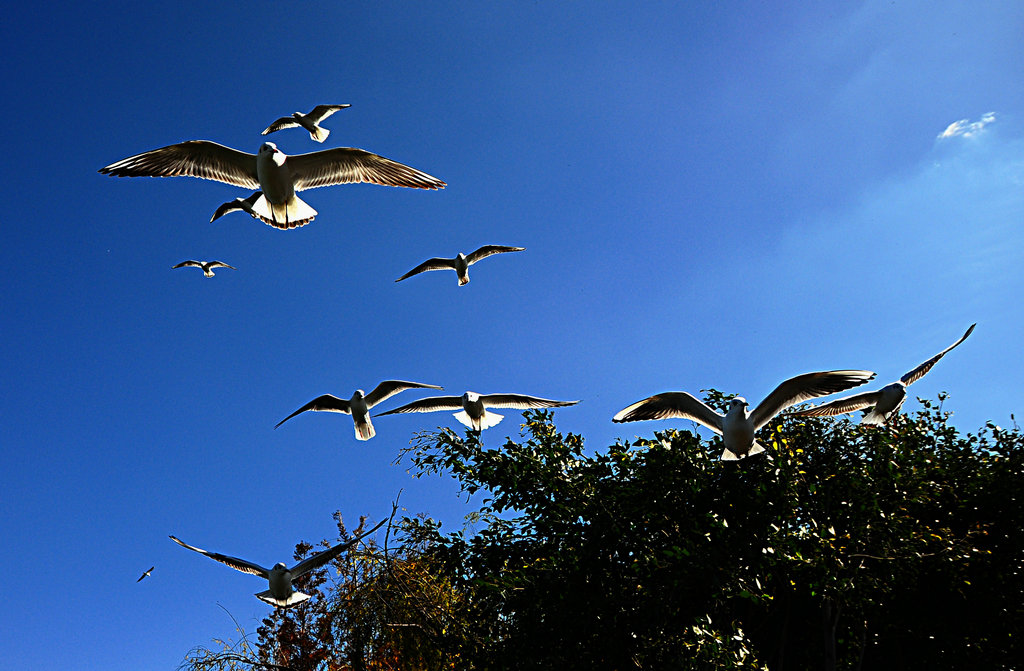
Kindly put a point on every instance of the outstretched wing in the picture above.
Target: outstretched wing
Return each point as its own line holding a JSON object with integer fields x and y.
{"x": 346, "y": 165}
{"x": 389, "y": 388}
{"x": 805, "y": 387}
{"x": 430, "y": 404}
{"x": 841, "y": 406}
{"x": 321, "y": 112}
{"x": 325, "y": 403}
{"x": 319, "y": 559}
{"x": 920, "y": 371}
{"x": 490, "y": 250}
{"x": 234, "y": 562}
{"x": 283, "y": 122}
{"x": 221, "y": 264}
{"x": 671, "y": 404}
{"x": 195, "y": 158}
{"x": 521, "y": 401}
{"x": 188, "y": 264}
{"x": 430, "y": 264}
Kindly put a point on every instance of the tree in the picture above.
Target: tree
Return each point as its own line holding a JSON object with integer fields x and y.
{"x": 842, "y": 547}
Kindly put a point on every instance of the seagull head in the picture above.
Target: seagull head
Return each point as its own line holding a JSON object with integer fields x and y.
{"x": 738, "y": 403}
{"x": 269, "y": 147}
{"x": 359, "y": 393}
{"x": 280, "y": 567}
{"x": 470, "y": 397}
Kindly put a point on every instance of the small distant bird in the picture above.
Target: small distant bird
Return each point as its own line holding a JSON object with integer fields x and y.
{"x": 359, "y": 405}
{"x": 475, "y": 406}
{"x": 243, "y": 204}
{"x": 281, "y": 593}
{"x": 146, "y": 574}
{"x": 207, "y": 266}
{"x": 461, "y": 263}
{"x": 309, "y": 121}
{"x": 278, "y": 176}
{"x": 736, "y": 427}
{"x": 887, "y": 401}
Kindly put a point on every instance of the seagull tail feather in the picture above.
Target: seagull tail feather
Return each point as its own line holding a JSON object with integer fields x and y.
{"x": 292, "y": 214}
{"x": 293, "y": 598}
{"x": 365, "y": 430}
{"x": 488, "y": 420}
{"x": 874, "y": 418}
{"x": 319, "y": 134}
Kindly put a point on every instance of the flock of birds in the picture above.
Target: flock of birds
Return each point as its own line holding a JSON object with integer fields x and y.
{"x": 280, "y": 176}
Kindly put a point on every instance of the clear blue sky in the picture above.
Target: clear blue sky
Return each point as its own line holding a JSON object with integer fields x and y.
{"x": 719, "y": 196}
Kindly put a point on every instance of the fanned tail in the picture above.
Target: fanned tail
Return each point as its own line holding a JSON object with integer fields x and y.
{"x": 294, "y": 598}
{"x": 292, "y": 214}
{"x": 729, "y": 455}
{"x": 365, "y": 430}
{"x": 319, "y": 134}
{"x": 488, "y": 420}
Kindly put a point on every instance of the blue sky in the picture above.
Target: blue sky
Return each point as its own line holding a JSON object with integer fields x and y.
{"x": 719, "y": 196}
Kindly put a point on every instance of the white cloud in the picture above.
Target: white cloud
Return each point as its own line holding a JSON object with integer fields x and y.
{"x": 967, "y": 128}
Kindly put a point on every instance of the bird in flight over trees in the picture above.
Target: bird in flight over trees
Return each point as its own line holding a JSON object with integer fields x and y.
{"x": 736, "y": 426}
{"x": 475, "y": 407}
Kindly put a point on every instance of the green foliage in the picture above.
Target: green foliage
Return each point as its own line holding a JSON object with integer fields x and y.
{"x": 841, "y": 547}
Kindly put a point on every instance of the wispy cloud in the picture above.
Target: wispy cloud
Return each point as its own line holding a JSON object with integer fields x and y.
{"x": 966, "y": 127}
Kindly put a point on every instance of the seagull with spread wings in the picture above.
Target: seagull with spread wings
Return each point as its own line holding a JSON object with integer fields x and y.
{"x": 278, "y": 175}
{"x": 310, "y": 122}
{"x": 736, "y": 426}
{"x": 281, "y": 593}
{"x": 474, "y": 407}
{"x": 146, "y": 574}
{"x": 461, "y": 263}
{"x": 359, "y": 405}
{"x": 887, "y": 401}
{"x": 207, "y": 266}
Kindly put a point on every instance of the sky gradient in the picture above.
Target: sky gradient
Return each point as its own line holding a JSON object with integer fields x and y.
{"x": 720, "y": 196}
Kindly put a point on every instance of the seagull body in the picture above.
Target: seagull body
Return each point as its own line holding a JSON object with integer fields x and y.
{"x": 359, "y": 405}
{"x": 146, "y": 574}
{"x": 474, "y": 413}
{"x": 243, "y": 204}
{"x": 886, "y": 401}
{"x": 207, "y": 266}
{"x": 461, "y": 263}
{"x": 276, "y": 174}
{"x": 310, "y": 122}
{"x": 281, "y": 593}
{"x": 736, "y": 426}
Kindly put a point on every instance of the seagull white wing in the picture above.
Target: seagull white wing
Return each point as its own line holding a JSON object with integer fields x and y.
{"x": 671, "y": 404}
{"x": 920, "y": 371}
{"x": 321, "y": 112}
{"x": 490, "y": 250}
{"x": 521, "y": 401}
{"x": 221, "y": 264}
{"x": 430, "y": 264}
{"x": 283, "y": 122}
{"x": 325, "y": 403}
{"x": 346, "y": 165}
{"x": 430, "y": 404}
{"x": 321, "y": 558}
{"x": 805, "y": 387}
{"x": 841, "y": 406}
{"x": 244, "y": 205}
{"x": 389, "y": 388}
{"x": 234, "y": 562}
{"x": 188, "y": 264}
{"x": 195, "y": 158}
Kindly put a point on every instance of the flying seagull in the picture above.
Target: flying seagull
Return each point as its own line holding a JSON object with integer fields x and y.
{"x": 243, "y": 204}
{"x": 279, "y": 176}
{"x": 461, "y": 263}
{"x": 474, "y": 407}
{"x": 207, "y": 266}
{"x": 359, "y": 405}
{"x": 146, "y": 574}
{"x": 281, "y": 592}
{"x": 887, "y": 401}
{"x": 310, "y": 122}
{"x": 736, "y": 427}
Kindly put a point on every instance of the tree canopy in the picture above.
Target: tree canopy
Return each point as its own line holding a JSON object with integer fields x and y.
{"x": 841, "y": 547}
